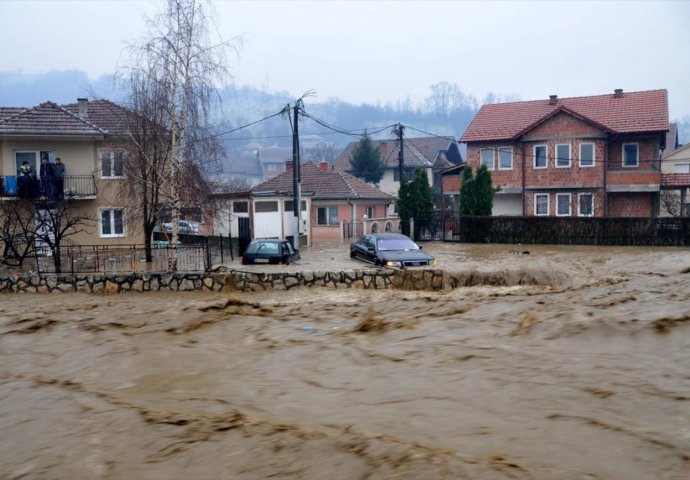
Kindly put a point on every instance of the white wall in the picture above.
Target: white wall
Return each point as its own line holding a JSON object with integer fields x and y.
{"x": 507, "y": 204}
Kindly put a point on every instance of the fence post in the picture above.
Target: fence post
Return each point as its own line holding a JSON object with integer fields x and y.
{"x": 208, "y": 255}
{"x": 222, "y": 257}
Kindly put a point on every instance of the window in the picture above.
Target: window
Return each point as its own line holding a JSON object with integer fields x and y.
{"x": 487, "y": 157}
{"x": 33, "y": 158}
{"x": 112, "y": 165}
{"x": 272, "y": 167}
{"x": 541, "y": 203}
{"x": 370, "y": 212}
{"x": 409, "y": 172}
{"x": 265, "y": 207}
{"x": 240, "y": 207}
{"x": 586, "y": 154}
{"x": 327, "y": 216}
{"x": 539, "y": 156}
{"x": 289, "y": 205}
{"x": 505, "y": 158}
{"x": 586, "y": 205}
{"x": 112, "y": 222}
{"x": 631, "y": 155}
{"x": 563, "y": 155}
{"x": 681, "y": 168}
{"x": 563, "y": 204}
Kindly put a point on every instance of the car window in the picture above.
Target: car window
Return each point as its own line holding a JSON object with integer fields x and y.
{"x": 262, "y": 247}
{"x": 396, "y": 244}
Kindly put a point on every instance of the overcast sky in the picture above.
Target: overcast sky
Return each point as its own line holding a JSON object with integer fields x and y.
{"x": 385, "y": 51}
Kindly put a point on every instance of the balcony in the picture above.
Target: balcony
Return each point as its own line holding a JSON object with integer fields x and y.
{"x": 81, "y": 187}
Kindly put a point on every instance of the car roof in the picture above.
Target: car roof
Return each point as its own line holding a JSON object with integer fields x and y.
{"x": 388, "y": 235}
{"x": 268, "y": 240}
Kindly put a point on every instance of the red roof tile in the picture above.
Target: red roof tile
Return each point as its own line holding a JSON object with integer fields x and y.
{"x": 675, "y": 180}
{"x": 633, "y": 112}
{"x": 47, "y": 118}
{"x": 418, "y": 152}
{"x": 322, "y": 185}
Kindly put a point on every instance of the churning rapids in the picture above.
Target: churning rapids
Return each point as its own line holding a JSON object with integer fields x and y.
{"x": 547, "y": 366}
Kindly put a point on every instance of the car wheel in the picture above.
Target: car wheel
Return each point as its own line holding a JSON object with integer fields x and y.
{"x": 352, "y": 254}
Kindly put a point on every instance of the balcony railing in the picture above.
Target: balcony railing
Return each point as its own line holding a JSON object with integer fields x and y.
{"x": 73, "y": 186}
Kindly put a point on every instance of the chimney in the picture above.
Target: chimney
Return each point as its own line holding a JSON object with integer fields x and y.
{"x": 553, "y": 99}
{"x": 324, "y": 166}
{"x": 618, "y": 93}
{"x": 83, "y": 107}
{"x": 288, "y": 165}
{"x": 383, "y": 148}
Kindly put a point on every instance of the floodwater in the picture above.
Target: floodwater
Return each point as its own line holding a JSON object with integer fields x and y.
{"x": 564, "y": 363}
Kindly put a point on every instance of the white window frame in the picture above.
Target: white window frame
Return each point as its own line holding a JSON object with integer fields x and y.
{"x": 112, "y": 223}
{"x": 534, "y": 156}
{"x": 111, "y": 151}
{"x": 493, "y": 158}
{"x": 505, "y": 149}
{"x": 579, "y": 205}
{"x": 570, "y": 155}
{"x": 637, "y": 160}
{"x": 594, "y": 154}
{"x": 569, "y": 196}
{"x": 328, "y": 209}
{"x": 536, "y": 203}
{"x": 681, "y": 168}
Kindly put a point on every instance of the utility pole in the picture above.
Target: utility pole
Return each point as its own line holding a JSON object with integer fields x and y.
{"x": 296, "y": 177}
{"x": 401, "y": 159}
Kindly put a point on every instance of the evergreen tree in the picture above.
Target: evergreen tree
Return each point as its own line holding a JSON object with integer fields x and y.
{"x": 477, "y": 192}
{"x": 484, "y": 191}
{"x": 421, "y": 201}
{"x": 467, "y": 192}
{"x": 366, "y": 161}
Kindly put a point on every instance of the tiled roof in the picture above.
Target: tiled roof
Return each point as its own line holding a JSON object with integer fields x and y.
{"x": 322, "y": 184}
{"x": 107, "y": 115}
{"x": 418, "y": 152}
{"x": 678, "y": 180}
{"x": 47, "y": 118}
{"x": 633, "y": 112}
{"x": 245, "y": 164}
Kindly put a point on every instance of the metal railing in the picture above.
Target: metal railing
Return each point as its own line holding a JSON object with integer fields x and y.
{"x": 122, "y": 259}
{"x": 73, "y": 186}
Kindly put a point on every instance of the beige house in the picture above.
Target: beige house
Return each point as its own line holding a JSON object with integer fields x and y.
{"x": 675, "y": 168}
{"x": 88, "y": 138}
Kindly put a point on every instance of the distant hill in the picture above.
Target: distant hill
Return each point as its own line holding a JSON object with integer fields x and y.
{"x": 245, "y": 104}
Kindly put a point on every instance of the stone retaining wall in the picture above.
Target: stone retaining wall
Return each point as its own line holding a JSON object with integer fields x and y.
{"x": 228, "y": 281}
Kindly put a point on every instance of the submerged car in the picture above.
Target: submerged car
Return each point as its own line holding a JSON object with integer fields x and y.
{"x": 187, "y": 227}
{"x": 390, "y": 250}
{"x": 270, "y": 251}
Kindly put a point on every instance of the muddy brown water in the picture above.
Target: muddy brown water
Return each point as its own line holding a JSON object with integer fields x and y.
{"x": 567, "y": 363}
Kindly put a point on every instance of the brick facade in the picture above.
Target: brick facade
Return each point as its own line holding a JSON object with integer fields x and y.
{"x": 635, "y": 188}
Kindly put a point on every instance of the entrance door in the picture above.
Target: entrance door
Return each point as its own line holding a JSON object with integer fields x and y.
{"x": 244, "y": 234}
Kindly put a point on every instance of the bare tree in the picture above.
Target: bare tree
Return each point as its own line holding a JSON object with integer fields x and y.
{"x": 182, "y": 68}
{"x": 39, "y": 226}
{"x": 17, "y": 231}
{"x": 670, "y": 203}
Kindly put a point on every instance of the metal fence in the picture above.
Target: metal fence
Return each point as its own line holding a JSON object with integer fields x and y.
{"x": 666, "y": 231}
{"x": 121, "y": 258}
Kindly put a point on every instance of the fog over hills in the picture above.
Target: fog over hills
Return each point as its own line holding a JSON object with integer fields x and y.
{"x": 447, "y": 111}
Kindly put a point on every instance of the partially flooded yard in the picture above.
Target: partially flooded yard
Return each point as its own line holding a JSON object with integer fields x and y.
{"x": 560, "y": 363}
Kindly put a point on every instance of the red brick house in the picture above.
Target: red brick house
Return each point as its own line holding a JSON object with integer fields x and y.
{"x": 579, "y": 156}
{"x": 335, "y": 205}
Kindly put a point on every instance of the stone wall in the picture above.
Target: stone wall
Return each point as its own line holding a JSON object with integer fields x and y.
{"x": 229, "y": 281}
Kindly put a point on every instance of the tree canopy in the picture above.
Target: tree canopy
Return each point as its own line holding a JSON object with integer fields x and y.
{"x": 476, "y": 192}
{"x": 415, "y": 201}
{"x": 366, "y": 161}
